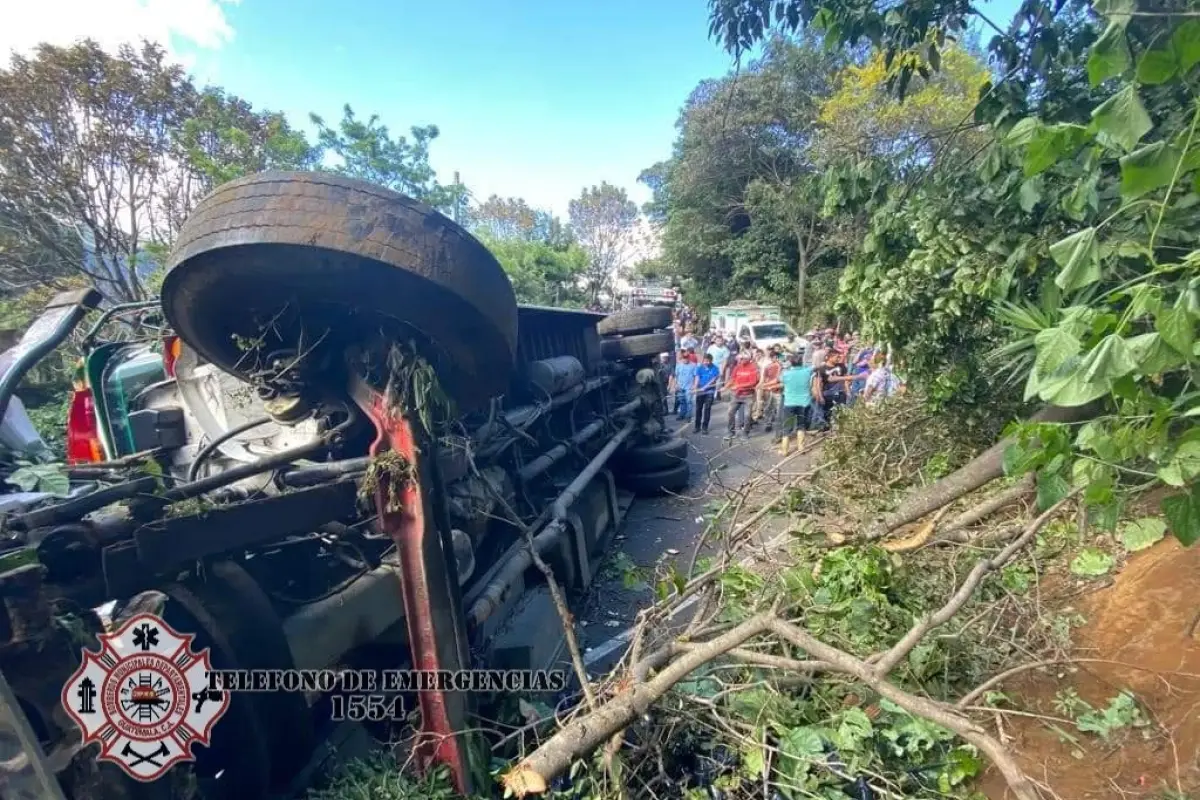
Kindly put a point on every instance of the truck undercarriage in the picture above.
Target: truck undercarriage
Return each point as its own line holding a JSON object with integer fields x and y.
{"x": 360, "y": 436}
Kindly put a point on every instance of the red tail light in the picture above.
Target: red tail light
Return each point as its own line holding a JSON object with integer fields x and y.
{"x": 171, "y": 347}
{"x": 83, "y": 431}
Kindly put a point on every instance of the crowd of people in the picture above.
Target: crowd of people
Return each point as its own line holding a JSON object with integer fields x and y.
{"x": 789, "y": 388}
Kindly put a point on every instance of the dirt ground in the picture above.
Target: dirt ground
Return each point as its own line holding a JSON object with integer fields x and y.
{"x": 1141, "y": 631}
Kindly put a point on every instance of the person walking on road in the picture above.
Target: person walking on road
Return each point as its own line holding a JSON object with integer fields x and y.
{"x": 771, "y": 389}
{"x": 683, "y": 383}
{"x": 720, "y": 357}
{"x": 706, "y": 382}
{"x": 800, "y": 389}
{"x": 743, "y": 381}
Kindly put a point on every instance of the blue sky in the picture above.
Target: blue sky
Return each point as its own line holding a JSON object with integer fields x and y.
{"x": 534, "y": 98}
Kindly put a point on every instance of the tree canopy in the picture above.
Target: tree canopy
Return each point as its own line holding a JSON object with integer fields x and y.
{"x": 1033, "y": 240}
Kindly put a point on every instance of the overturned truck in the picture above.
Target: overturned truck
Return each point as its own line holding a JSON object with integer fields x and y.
{"x": 357, "y": 436}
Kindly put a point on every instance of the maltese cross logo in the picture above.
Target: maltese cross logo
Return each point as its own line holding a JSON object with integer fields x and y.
{"x": 144, "y": 697}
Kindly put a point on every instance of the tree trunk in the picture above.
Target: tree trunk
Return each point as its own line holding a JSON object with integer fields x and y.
{"x": 801, "y": 273}
{"x": 985, "y": 467}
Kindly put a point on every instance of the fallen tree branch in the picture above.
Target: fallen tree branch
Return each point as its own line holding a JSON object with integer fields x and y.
{"x": 930, "y": 710}
{"x": 982, "y": 469}
{"x": 966, "y": 589}
{"x": 988, "y": 507}
{"x": 589, "y": 731}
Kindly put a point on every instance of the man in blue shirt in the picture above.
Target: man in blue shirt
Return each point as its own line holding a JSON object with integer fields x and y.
{"x": 708, "y": 378}
{"x": 683, "y": 383}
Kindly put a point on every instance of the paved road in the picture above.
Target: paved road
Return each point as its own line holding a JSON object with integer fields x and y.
{"x": 668, "y": 528}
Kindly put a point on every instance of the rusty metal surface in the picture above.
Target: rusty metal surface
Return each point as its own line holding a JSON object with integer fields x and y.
{"x": 432, "y": 608}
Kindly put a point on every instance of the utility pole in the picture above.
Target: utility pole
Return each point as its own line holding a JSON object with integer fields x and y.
{"x": 458, "y": 198}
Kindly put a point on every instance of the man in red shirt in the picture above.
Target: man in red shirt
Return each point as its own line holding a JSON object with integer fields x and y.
{"x": 742, "y": 382}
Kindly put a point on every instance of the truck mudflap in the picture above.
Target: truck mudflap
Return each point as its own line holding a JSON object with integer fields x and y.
{"x": 410, "y": 512}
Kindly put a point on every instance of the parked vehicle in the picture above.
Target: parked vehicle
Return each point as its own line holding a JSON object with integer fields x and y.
{"x": 650, "y": 293}
{"x": 762, "y": 325}
{"x": 335, "y": 458}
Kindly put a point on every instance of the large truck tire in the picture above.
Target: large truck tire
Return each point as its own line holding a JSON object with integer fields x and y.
{"x": 662, "y": 455}
{"x": 673, "y": 479}
{"x": 632, "y": 347}
{"x": 309, "y": 254}
{"x": 635, "y": 320}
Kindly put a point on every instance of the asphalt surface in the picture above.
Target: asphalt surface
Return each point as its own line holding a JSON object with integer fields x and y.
{"x": 667, "y": 529}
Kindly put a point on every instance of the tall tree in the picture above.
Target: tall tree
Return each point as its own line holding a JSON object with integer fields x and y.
{"x": 224, "y": 138}
{"x": 85, "y": 150}
{"x": 365, "y": 149}
{"x": 603, "y": 219}
{"x": 505, "y": 218}
{"x": 541, "y": 273}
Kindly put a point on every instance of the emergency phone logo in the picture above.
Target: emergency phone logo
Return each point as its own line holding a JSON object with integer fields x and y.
{"x": 144, "y": 697}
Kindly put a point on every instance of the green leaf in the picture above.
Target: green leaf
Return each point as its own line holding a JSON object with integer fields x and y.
{"x": 1023, "y": 132}
{"x": 1156, "y": 66}
{"x": 1118, "y": 11}
{"x": 754, "y": 762}
{"x": 1184, "y": 464}
{"x": 1153, "y": 355}
{"x": 1050, "y": 144}
{"x": 1122, "y": 119}
{"x": 1109, "y": 55}
{"x": 1108, "y": 361}
{"x": 1054, "y": 347}
{"x": 1051, "y": 487}
{"x": 1147, "y": 168}
{"x": 1078, "y": 256}
{"x": 1186, "y": 43}
{"x": 1030, "y": 194}
{"x": 1066, "y": 387}
{"x": 1091, "y": 562}
{"x": 1141, "y": 533}
{"x": 1183, "y": 513}
{"x": 1175, "y": 327}
{"x": 854, "y": 728}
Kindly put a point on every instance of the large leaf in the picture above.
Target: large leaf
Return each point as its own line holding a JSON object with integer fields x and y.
{"x": 1175, "y": 326}
{"x": 1121, "y": 120}
{"x": 1147, "y": 168}
{"x": 1141, "y": 533}
{"x": 1023, "y": 132}
{"x": 1109, "y": 56}
{"x": 1051, "y": 144}
{"x": 1157, "y": 66}
{"x": 1184, "y": 464}
{"x": 1078, "y": 256}
{"x": 1186, "y": 43}
{"x": 1051, "y": 487}
{"x": 1153, "y": 355}
{"x": 1183, "y": 513}
{"x": 1107, "y": 361}
{"x": 1067, "y": 387}
{"x": 1054, "y": 347}
{"x": 1030, "y": 194}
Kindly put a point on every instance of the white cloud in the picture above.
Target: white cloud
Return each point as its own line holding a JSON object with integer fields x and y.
{"x": 194, "y": 24}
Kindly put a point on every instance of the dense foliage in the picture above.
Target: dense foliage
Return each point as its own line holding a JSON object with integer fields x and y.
{"x": 1043, "y": 246}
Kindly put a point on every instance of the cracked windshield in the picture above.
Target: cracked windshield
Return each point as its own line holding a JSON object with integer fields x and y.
{"x": 685, "y": 400}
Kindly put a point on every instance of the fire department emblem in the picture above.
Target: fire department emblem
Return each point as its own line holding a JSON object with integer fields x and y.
{"x": 144, "y": 697}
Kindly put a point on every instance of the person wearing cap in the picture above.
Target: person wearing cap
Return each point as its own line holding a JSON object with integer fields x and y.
{"x": 743, "y": 381}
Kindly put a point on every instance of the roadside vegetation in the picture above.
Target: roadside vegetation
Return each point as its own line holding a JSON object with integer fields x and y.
{"x": 1013, "y": 212}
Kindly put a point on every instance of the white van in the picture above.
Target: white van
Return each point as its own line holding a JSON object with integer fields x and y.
{"x": 766, "y": 333}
